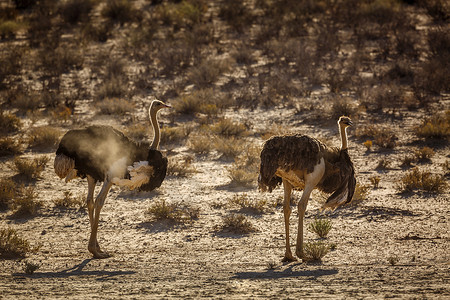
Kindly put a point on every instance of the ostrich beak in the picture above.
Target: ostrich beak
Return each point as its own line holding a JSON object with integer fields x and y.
{"x": 167, "y": 106}
{"x": 350, "y": 123}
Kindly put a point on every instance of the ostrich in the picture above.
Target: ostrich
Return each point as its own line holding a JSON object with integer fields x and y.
{"x": 102, "y": 153}
{"x": 304, "y": 163}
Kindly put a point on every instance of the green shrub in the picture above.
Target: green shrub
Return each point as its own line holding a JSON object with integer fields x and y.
{"x": 173, "y": 212}
{"x": 315, "y": 251}
{"x": 321, "y": 227}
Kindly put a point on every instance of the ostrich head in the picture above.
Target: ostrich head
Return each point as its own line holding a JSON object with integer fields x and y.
{"x": 156, "y": 106}
{"x": 344, "y": 122}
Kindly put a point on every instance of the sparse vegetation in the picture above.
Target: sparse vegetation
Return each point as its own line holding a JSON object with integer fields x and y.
{"x": 315, "y": 251}
{"x": 9, "y": 146}
{"x": 422, "y": 180}
{"x": 7, "y": 192}
{"x": 361, "y": 193}
{"x": 30, "y": 169}
{"x": 25, "y": 203}
{"x": 424, "y": 154}
{"x": 9, "y": 123}
{"x": 114, "y": 106}
{"x": 30, "y": 267}
{"x": 375, "y": 180}
{"x": 12, "y": 245}
{"x": 175, "y": 212}
{"x": 180, "y": 167}
{"x": 321, "y": 227}
{"x": 247, "y": 204}
{"x": 393, "y": 260}
{"x": 70, "y": 201}
{"x": 237, "y": 223}
{"x": 438, "y": 126}
{"x": 43, "y": 138}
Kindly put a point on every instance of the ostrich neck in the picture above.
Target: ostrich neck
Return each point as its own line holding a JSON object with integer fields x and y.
{"x": 343, "y": 132}
{"x": 155, "y": 125}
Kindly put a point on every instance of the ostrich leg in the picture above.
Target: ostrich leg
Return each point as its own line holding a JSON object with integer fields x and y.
{"x": 287, "y": 213}
{"x": 311, "y": 180}
{"x": 90, "y": 202}
{"x": 93, "y": 247}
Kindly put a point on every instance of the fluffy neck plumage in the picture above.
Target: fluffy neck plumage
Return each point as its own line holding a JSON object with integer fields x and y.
{"x": 156, "y": 137}
{"x": 343, "y": 132}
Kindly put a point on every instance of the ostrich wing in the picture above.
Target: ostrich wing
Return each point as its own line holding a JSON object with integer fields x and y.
{"x": 347, "y": 182}
{"x": 287, "y": 152}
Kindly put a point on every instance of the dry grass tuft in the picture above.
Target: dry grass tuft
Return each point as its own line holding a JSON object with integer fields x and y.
{"x": 424, "y": 154}
{"x": 9, "y": 123}
{"x": 43, "y": 138}
{"x": 422, "y": 180}
{"x": 321, "y": 227}
{"x": 7, "y": 192}
{"x": 438, "y": 126}
{"x": 315, "y": 251}
{"x": 10, "y": 146}
{"x": 381, "y": 136}
{"x": 361, "y": 193}
{"x": 30, "y": 267}
{"x": 174, "y": 135}
{"x": 30, "y": 169}
{"x": 247, "y": 204}
{"x": 200, "y": 144}
{"x": 229, "y": 147}
{"x": 114, "y": 106}
{"x": 244, "y": 170}
{"x": 226, "y": 127}
{"x": 12, "y": 245}
{"x": 180, "y": 167}
{"x": 25, "y": 203}
{"x": 175, "y": 212}
{"x": 237, "y": 223}
{"x": 69, "y": 201}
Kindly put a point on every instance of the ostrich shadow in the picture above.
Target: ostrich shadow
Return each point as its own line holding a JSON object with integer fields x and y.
{"x": 286, "y": 273}
{"x": 77, "y": 270}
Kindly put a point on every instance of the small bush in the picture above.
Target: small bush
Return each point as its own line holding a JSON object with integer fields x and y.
{"x": 120, "y": 11}
{"x": 25, "y": 204}
{"x": 173, "y": 135}
{"x": 30, "y": 169}
{"x": 113, "y": 88}
{"x": 43, "y": 138}
{"x": 173, "y": 212}
{"x": 226, "y": 127}
{"x": 315, "y": 251}
{"x": 341, "y": 107}
{"x": 244, "y": 170}
{"x": 237, "y": 223}
{"x": 9, "y": 146}
{"x": 321, "y": 227}
{"x": 7, "y": 192}
{"x": 69, "y": 201}
{"x": 208, "y": 72}
{"x": 12, "y": 245}
{"x": 422, "y": 180}
{"x": 74, "y": 11}
{"x": 381, "y": 136}
{"x": 9, "y": 123}
{"x": 393, "y": 260}
{"x": 200, "y": 144}
{"x": 438, "y": 126}
{"x": 229, "y": 147}
{"x": 361, "y": 193}
{"x": 180, "y": 168}
{"x": 375, "y": 180}
{"x": 247, "y": 204}
{"x": 424, "y": 154}
{"x": 114, "y": 106}
{"x": 9, "y": 28}
{"x": 139, "y": 132}
{"x": 30, "y": 267}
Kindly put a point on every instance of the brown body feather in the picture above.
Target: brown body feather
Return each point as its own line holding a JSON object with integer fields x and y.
{"x": 301, "y": 152}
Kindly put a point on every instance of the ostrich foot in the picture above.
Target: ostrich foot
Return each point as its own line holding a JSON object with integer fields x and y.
{"x": 96, "y": 252}
{"x": 288, "y": 257}
{"x": 300, "y": 255}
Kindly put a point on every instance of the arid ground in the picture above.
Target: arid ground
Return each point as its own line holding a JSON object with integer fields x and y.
{"x": 234, "y": 77}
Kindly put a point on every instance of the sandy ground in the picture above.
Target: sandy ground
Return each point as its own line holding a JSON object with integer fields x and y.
{"x": 198, "y": 260}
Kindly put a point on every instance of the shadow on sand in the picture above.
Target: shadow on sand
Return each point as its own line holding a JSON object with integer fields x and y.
{"x": 288, "y": 272}
{"x": 77, "y": 270}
